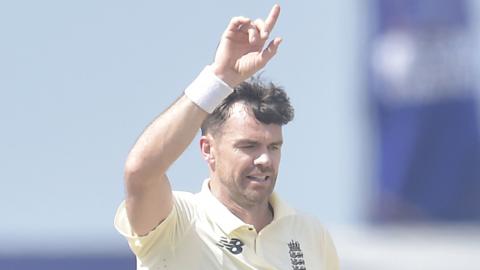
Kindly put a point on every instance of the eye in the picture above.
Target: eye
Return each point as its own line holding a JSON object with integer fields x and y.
{"x": 247, "y": 146}
{"x": 275, "y": 147}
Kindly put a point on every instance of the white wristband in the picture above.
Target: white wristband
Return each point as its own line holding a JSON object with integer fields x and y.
{"x": 207, "y": 90}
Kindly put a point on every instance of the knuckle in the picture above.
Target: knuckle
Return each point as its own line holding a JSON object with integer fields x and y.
{"x": 235, "y": 19}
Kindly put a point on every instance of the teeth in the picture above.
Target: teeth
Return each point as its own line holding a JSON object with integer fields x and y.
{"x": 258, "y": 178}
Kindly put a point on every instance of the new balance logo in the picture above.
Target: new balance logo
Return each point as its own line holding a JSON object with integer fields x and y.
{"x": 233, "y": 245}
{"x": 296, "y": 256}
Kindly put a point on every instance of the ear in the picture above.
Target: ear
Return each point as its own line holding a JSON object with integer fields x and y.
{"x": 206, "y": 147}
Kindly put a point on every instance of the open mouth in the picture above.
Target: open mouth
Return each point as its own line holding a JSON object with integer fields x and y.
{"x": 258, "y": 178}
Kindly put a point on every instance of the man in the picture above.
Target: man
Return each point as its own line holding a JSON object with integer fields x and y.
{"x": 236, "y": 221}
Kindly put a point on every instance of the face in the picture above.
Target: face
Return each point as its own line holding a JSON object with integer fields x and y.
{"x": 244, "y": 159}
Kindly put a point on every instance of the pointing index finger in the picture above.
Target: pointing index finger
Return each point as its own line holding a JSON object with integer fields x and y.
{"x": 272, "y": 18}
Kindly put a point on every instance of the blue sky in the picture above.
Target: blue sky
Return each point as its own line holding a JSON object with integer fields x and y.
{"x": 79, "y": 80}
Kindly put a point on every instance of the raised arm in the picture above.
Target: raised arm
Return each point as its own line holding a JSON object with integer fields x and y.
{"x": 240, "y": 54}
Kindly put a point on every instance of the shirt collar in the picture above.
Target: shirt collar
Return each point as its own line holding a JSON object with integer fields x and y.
{"x": 227, "y": 221}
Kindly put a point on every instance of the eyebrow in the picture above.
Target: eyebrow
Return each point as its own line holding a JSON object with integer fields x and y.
{"x": 249, "y": 141}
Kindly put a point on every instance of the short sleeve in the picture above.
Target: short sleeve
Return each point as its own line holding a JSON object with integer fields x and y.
{"x": 163, "y": 237}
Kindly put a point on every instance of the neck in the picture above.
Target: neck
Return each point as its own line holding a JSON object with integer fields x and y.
{"x": 258, "y": 216}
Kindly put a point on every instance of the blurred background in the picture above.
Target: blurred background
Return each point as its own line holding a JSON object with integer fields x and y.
{"x": 384, "y": 149}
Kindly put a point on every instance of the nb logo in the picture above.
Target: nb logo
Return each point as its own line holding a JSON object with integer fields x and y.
{"x": 233, "y": 245}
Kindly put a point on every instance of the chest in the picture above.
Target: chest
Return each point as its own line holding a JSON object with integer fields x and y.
{"x": 278, "y": 247}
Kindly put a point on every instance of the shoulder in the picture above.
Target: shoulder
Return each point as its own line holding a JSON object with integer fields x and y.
{"x": 293, "y": 218}
{"x": 309, "y": 221}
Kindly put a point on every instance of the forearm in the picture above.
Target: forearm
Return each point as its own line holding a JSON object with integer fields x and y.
{"x": 171, "y": 133}
{"x": 164, "y": 140}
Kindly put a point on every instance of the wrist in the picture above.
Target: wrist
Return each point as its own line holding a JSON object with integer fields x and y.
{"x": 208, "y": 90}
{"x": 228, "y": 76}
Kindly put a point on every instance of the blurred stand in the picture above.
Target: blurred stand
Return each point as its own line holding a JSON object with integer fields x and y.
{"x": 422, "y": 87}
{"x": 422, "y": 63}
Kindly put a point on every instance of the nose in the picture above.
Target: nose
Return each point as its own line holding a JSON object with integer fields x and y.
{"x": 263, "y": 160}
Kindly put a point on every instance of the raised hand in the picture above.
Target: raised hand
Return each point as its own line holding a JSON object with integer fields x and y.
{"x": 242, "y": 52}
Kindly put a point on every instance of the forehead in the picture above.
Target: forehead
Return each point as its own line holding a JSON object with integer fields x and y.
{"x": 242, "y": 124}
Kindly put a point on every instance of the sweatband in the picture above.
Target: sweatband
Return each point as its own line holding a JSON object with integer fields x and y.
{"x": 207, "y": 90}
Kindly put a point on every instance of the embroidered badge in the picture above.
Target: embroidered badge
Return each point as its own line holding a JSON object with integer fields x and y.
{"x": 233, "y": 245}
{"x": 296, "y": 256}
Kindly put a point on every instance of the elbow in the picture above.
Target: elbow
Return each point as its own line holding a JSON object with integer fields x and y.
{"x": 135, "y": 173}
{"x": 132, "y": 169}
{"x": 140, "y": 173}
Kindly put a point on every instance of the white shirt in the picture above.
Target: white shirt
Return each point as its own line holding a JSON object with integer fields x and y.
{"x": 201, "y": 233}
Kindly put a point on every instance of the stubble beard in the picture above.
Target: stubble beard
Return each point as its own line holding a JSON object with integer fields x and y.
{"x": 238, "y": 188}
{"x": 244, "y": 195}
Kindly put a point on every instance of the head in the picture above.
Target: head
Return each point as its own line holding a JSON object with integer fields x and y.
{"x": 241, "y": 142}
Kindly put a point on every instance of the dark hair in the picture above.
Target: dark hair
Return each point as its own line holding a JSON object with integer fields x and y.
{"x": 269, "y": 103}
